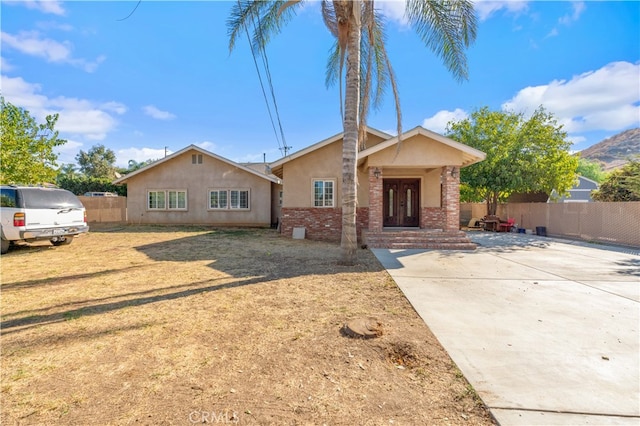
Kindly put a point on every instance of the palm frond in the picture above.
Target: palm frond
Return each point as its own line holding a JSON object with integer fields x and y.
{"x": 447, "y": 27}
{"x": 266, "y": 18}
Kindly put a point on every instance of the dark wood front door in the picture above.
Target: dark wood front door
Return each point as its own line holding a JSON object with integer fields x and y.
{"x": 401, "y": 200}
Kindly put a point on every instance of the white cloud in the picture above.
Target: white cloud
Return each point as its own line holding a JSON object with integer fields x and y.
{"x": 30, "y": 43}
{"x": 67, "y": 152}
{"x": 5, "y": 65}
{"x": 53, "y": 25}
{"x": 604, "y": 99}
{"x": 158, "y": 114}
{"x": 393, "y": 10}
{"x": 576, "y": 139}
{"x": 45, "y": 6}
{"x": 486, "y": 8}
{"x": 139, "y": 155}
{"x": 209, "y": 146}
{"x": 33, "y": 44}
{"x": 77, "y": 116}
{"x": 578, "y": 7}
{"x": 116, "y": 107}
{"x": 438, "y": 122}
{"x": 92, "y": 123}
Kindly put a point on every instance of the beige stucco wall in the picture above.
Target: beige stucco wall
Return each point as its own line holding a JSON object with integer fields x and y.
{"x": 417, "y": 151}
{"x": 298, "y": 175}
{"x": 414, "y": 161}
{"x": 180, "y": 174}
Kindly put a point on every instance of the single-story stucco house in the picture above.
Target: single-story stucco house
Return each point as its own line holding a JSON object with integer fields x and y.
{"x": 408, "y": 194}
{"x": 195, "y": 186}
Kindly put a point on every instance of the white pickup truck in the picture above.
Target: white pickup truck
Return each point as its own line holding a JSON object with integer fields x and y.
{"x": 33, "y": 213}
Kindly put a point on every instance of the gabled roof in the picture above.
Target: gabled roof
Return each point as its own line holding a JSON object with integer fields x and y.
{"x": 469, "y": 155}
{"x": 124, "y": 178}
{"x": 277, "y": 165}
{"x": 580, "y": 192}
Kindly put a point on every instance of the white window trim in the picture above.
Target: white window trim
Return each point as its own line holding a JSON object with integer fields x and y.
{"x": 229, "y": 208}
{"x": 166, "y": 200}
{"x": 333, "y": 195}
{"x": 186, "y": 200}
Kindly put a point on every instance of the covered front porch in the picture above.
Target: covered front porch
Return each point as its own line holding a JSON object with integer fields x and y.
{"x": 402, "y": 213}
{"x": 413, "y": 191}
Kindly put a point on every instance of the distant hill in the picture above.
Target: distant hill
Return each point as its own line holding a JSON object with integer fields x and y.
{"x": 615, "y": 151}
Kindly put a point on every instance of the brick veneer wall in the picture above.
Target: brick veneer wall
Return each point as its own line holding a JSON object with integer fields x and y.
{"x": 451, "y": 198}
{"x": 432, "y": 218}
{"x": 375, "y": 201}
{"x": 326, "y": 223}
{"x": 323, "y": 224}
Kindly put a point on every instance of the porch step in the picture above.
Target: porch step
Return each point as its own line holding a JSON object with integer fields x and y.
{"x": 418, "y": 239}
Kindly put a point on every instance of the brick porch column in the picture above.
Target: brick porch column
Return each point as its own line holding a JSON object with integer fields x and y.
{"x": 375, "y": 201}
{"x": 451, "y": 198}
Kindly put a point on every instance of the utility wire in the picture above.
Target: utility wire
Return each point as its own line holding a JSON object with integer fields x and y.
{"x": 265, "y": 62}
{"x": 264, "y": 94}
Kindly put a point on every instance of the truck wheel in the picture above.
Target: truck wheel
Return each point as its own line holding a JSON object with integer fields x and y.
{"x": 67, "y": 240}
{"x": 5, "y": 246}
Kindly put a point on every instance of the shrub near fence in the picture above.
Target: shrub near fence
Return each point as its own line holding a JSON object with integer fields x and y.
{"x": 615, "y": 222}
{"x": 105, "y": 209}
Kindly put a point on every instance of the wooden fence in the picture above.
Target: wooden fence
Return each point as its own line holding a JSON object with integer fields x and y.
{"x": 105, "y": 209}
{"x": 616, "y": 223}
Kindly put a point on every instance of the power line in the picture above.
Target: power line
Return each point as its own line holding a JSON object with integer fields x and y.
{"x": 264, "y": 94}
{"x": 265, "y": 62}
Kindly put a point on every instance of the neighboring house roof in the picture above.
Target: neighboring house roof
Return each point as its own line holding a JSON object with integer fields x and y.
{"x": 469, "y": 155}
{"x": 580, "y": 193}
{"x": 124, "y": 178}
{"x": 276, "y": 166}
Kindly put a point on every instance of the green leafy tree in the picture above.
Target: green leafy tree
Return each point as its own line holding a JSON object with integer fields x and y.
{"x": 591, "y": 169}
{"x": 446, "y": 27}
{"x": 523, "y": 155}
{"x": 27, "y": 148}
{"x": 134, "y": 165}
{"x": 80, "y": 185}
{"x": 621, "y": 185}
{"x": 98, "y": 162}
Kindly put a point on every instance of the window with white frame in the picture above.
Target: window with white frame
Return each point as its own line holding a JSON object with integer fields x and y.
{"x": 239, "y": 199}
{"x": 167, "y": 199}
{"x": 218, "y": 199}
{"x": 156, "y": 200}
{"x": 229, "y": 199}
{"x": 177, "y": 200}
{"x": 323, "y": 193}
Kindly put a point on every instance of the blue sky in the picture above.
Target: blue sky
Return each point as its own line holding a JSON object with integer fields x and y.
{"x": 164, "y": 77}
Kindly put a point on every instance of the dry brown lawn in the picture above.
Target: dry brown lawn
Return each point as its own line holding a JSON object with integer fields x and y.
{"x": 185, "y": 325}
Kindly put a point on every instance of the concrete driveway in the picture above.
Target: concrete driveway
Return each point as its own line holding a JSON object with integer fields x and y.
{"x": 545, "y": 330}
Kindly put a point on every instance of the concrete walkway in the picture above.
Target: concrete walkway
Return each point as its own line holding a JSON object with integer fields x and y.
{"x": 546, "y": 331}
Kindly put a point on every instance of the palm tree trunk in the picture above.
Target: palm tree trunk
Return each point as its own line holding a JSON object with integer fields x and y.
{"x": 349, "y": 241}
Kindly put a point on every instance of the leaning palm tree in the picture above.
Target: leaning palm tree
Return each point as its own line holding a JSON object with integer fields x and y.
{"x": 447, "y": 27}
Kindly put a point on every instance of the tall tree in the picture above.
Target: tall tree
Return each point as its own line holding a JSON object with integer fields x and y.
{"x": 591, "y": 169}
{"x": 98, "y": 162}
{"x": 523, "y": 155}
{"x": 26, "y": 148}
{"x": 447, "y": 27}
{"x": 621, "y": 185}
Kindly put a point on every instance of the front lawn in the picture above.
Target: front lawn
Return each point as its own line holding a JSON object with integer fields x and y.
{"x": 184, "y": 325}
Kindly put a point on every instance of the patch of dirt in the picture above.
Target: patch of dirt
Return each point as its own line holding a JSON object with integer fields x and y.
{"x": 189, "y": 325}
